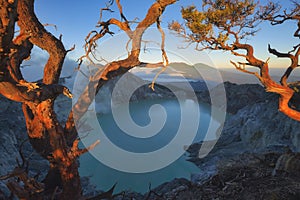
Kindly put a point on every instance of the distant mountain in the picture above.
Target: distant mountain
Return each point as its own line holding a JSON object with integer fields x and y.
{"x": 176, "y": 74}
{"x": 202, "y": 71}
{"x": 198, "y": 72}
{"x": 238, "y": 77}
{"x": 235, "y": 76}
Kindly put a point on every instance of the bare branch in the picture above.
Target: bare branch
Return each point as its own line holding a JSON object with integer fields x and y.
{"x": 294, "y": 62}
{"x": 30, "y": 25}
{"x": 163, "y": 39}
{"x": 279, "y": 54}
{"x": 164, "y": 55}
{"x": 107, "y": 8}
{"x": 76, "y": 152}
{"x": 293, "y": 14}
{"x": 221, "y": 25}
{"x": 71, "y": 49}
{"x": 241, "y": 67}
{"x": 156, "y": 76}
{"x": 51, "y": 25}
{"x": 121, "y": 66}
{"x": 121, "y": 10}
{"x": 32, "y": 92}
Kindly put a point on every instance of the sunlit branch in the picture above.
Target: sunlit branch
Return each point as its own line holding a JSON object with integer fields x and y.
{"x": 119, "y": 67}
{"x": 222, "y": 25}
{"x": 76, "y": 152}
{"x": 294, "y": 62}
{"x": 37, "y": 35}
{"x": 121, "y": 10}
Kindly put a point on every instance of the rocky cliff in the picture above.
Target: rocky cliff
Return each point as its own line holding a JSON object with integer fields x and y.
{"x": 13, "y": 140}
{"x": 253, "y": 125}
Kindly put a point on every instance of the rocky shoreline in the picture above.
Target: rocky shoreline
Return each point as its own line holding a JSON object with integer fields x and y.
{"x": 254, "y": 136}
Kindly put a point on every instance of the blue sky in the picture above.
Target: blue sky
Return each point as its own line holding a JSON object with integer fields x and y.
{"x": 75, "y": 19}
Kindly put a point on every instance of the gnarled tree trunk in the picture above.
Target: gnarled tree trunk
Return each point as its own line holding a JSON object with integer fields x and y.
{"x": 54, "y": 141}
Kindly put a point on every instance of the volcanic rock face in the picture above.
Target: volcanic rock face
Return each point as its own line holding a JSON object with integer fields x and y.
{"x": 257, "y": 122}
{"x": 13, "y": 140}
{"x": 253, "y": 125}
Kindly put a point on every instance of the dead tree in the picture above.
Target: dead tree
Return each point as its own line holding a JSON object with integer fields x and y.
{"x": 225, "y": 24}
{"x": 58, "y": 142}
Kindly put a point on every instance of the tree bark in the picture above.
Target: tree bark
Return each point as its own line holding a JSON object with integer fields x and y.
{"x": 42, "y": 123}
{"x": 52, "y": 140}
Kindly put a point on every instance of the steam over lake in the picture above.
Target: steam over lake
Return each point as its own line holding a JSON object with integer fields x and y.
{"x": 104, "y": 177}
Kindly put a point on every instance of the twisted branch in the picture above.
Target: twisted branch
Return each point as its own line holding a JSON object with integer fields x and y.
{"x": 294, "y": 63}
{"x": 121, "y": 66}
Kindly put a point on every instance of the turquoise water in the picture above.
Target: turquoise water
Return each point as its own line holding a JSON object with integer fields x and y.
{"x": 104, "y": 177}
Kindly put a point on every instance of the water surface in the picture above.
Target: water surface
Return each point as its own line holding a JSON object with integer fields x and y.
{"x": 104, "y": 177}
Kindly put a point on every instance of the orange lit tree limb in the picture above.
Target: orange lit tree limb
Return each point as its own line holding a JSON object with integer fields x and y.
{"x": 222, "y": 26}
{"x": 121, "y": 66}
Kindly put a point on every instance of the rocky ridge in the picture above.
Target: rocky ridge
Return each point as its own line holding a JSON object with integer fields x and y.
{"x": 256, "y": 156}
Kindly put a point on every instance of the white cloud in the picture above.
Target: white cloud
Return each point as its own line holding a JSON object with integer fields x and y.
{"x": 33, "y": 69}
